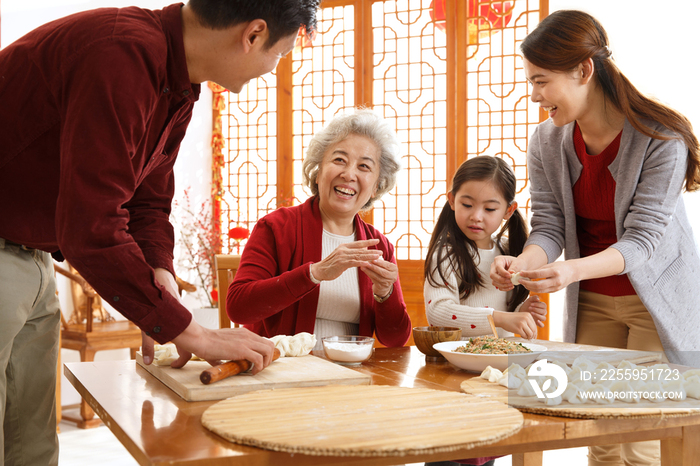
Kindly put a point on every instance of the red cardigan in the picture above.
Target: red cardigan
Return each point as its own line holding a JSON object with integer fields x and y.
{"x": 272, "y": 293}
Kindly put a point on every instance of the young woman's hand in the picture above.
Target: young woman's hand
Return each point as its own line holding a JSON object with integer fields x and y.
{"x": 345, "y": 256}
{"x": 549, "y": 278}
{"x": 536, "y": 308}
{"x": 521, "y": 323}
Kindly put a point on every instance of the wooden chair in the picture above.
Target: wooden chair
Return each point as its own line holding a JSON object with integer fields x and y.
{"x": 90, "y": 329}
{"x": 226, "y": 268}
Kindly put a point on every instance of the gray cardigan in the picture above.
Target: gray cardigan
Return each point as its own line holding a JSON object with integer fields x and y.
{"x": 653, "y": 232}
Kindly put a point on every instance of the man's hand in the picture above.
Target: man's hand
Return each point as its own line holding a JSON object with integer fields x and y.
{"x": 167, "y": 281}
{"x": 211, "y": 345}
{"x": 223, "y": 344}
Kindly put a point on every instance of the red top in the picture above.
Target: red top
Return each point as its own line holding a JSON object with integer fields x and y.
{"x": 594, "y": 200}
{"x": 272, "y": 293}
{"x": 94, "y": 107}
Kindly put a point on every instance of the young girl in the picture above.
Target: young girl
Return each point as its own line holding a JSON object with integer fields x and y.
{"x": 457, "y": 290}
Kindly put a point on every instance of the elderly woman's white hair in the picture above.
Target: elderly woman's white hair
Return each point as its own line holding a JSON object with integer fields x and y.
{"x": 363, "y": 122}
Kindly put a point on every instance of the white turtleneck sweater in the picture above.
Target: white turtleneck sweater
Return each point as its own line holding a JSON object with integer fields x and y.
{"x": 338, "y": 310}
{"x": 443, "y": 306}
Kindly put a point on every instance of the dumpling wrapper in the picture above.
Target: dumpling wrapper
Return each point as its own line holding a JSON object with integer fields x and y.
{"x": 516, "y": 370}
{"x": 516, "y": 278}
{"x": 571, "y": 394}
{"x": 676, "y": 387}
{"x": 165, "y": 355}
{"x": 486, "y": 373}
{"x": 511, "y": 380}
{"x": 575, "y": 375}
{"x": 603, "y": 371}
{"x": 659, "y": 367}
{"x": 491, "y": 374}
{"x": 601, "y": 394}
{"x": 300, "y": 344}
{"x": 625, "y": 364}
{"x": 495, "y": 375}
{"x": 624, "y": 392}
{"x": 584, "y": 364}
{"x": 564, "y": 366}
{"x": 654, "y": 388}
{"x": 691, "y": 385}
{"x": 526, "y": 390}
{"x": 551, "y": 401}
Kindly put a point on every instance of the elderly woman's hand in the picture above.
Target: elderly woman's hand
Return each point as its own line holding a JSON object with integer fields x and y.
{"x": 345, "y": 256}
{"x": 383, "y": 275}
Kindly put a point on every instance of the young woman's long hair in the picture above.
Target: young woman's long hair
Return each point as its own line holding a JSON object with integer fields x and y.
{"x": 449, "y": 245}
{"x": 567, "y": 38}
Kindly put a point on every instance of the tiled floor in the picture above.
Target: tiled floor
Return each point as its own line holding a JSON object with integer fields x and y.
{"x": 80, "y": 447}
{"x": 83, "y": 447}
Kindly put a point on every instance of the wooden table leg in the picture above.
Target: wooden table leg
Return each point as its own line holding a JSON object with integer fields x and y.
{"x": 683, "y": 451}
{"x": 527, "y": 459}
{"x": 86, "y": 412}
{"x": 87, "y": 419}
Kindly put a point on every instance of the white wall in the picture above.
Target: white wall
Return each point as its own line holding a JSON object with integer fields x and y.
{"x": 192, "y": 168}
{"x": 655, "y": 44}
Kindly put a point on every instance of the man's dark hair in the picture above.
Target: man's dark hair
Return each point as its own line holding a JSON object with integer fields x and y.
{"x": 283, "y": 17}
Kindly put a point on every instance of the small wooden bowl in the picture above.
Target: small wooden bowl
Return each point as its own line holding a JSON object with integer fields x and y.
{"x": 426, "y": 337}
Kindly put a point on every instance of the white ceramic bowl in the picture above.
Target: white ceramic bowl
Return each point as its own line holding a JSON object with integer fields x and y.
{"x": 478, "y": 362}
{"x": 348, "y": 349}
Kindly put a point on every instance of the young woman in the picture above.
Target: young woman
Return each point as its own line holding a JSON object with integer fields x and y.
{"x": 467, "y": 237}
{"x": 607, "y": 170}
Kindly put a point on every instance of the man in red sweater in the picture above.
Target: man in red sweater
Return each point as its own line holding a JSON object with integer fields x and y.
{"x": 94, "y": 107}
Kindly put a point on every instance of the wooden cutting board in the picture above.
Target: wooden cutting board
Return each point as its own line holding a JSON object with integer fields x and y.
{"x": 303, "y": 371}
{"x": 367, "y": 420}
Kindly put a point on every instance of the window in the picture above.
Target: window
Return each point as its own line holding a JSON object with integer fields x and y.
{"x": 452, "y": 84}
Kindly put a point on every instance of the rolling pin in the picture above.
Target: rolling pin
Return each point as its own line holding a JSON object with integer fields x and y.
{"x": 227, "y": 369}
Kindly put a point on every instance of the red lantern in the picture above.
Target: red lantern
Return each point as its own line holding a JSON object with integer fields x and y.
{"x": 484, "y": 17}
{"x": 304, "y": 39}
{"x": 238, "y": 233}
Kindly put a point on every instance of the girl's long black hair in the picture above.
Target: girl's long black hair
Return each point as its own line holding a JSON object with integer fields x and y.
{"x": 449, "y": 243}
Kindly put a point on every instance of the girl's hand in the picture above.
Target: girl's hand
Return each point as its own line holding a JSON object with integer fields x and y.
{"x": 549, "y": 278}
{"x": 536, "y": 308}
{"x": 521, "y": 323}
{"x": 345, "y": 256}
{"x": 383, "y": 275}
{"x": 501, "y": 270}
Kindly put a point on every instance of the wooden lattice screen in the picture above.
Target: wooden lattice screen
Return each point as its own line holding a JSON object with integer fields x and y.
{"x": 452, "y": 84}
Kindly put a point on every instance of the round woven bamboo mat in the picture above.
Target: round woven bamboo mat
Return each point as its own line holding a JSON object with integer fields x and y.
{"x": 366, "y": 420}
{"x": 619, "y": 409}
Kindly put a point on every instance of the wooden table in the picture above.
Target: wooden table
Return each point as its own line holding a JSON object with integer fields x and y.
{"x": 158, "y": 427}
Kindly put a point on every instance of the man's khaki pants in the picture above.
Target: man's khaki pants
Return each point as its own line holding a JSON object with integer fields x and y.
{"x": 619, "y": 322}
{"x": 29, "y": 328}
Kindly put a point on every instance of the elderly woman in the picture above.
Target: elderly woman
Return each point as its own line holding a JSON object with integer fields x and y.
{"x": 318, "y": 267}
